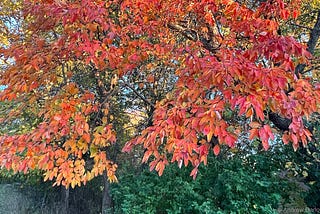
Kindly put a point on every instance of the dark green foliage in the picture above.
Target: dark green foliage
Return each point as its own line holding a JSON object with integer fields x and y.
{"x": 264, "y": 182}
{"x": 308, "y": 160}
{"x": 233, "y": 185}
{"x": 149, "y": 193}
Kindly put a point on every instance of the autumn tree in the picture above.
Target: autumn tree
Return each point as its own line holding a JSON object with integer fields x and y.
{"x": 235, "y": 59}
{"x": 66, "y": 61}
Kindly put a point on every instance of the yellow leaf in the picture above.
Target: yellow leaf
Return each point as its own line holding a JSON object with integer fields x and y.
{"x": 73, "y": 183}
{"x": 93, "y": 150}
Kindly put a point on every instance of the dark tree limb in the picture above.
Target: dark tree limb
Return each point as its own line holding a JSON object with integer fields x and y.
{"x": 314, "y": 37}
{"x": 194, "y": 36}
{"x": 301, "y": 26}
{"x": 280, "y": 122}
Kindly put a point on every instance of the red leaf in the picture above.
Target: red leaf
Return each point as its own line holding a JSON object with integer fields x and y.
{"x": 294, "y": 138}
{"x": 216, "y": 150}
{"x": 206, "y": 130}
{"x": 230, "y": 140}
{"x": 295, "y": 14}
{"x": 194, "y": 173}
{"x": 265, "y": 145}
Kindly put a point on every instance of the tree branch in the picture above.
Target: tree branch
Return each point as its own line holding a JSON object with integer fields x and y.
{"x": 137, "y": 93}
{"x": 314, "y": 37}
{"x": 280, "y": 122}
{"x": 300, "y": 26}
{"x": 194, "y": 36}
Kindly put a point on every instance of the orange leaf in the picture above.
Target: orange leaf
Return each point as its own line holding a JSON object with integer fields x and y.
{"x": 255, "y": 125}
{"x": 253, "y": 133}
{"x": 146, "y": 156}
{"x": 160, "y": 167}
{"x": 285, "y": 138}
{"x": 86, "y": 137}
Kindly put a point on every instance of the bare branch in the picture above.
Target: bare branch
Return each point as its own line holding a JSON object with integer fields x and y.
{"x": 137, "y": 93}
{"x": 194, "y": 36}
{"x": 314, "y": 37}
{"x": 300, "y": 26}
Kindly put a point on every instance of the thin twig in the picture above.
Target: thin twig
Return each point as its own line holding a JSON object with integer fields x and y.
{"x": 300, "y": 26}
{"x": 137, "y": 93}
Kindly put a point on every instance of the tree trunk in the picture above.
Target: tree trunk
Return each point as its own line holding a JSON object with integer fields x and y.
{"x": 65, "y": 198}
{"x": 106, "y": 197}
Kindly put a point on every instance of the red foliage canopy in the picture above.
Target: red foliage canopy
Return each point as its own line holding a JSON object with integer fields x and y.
{"x": 228, "y": 56}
